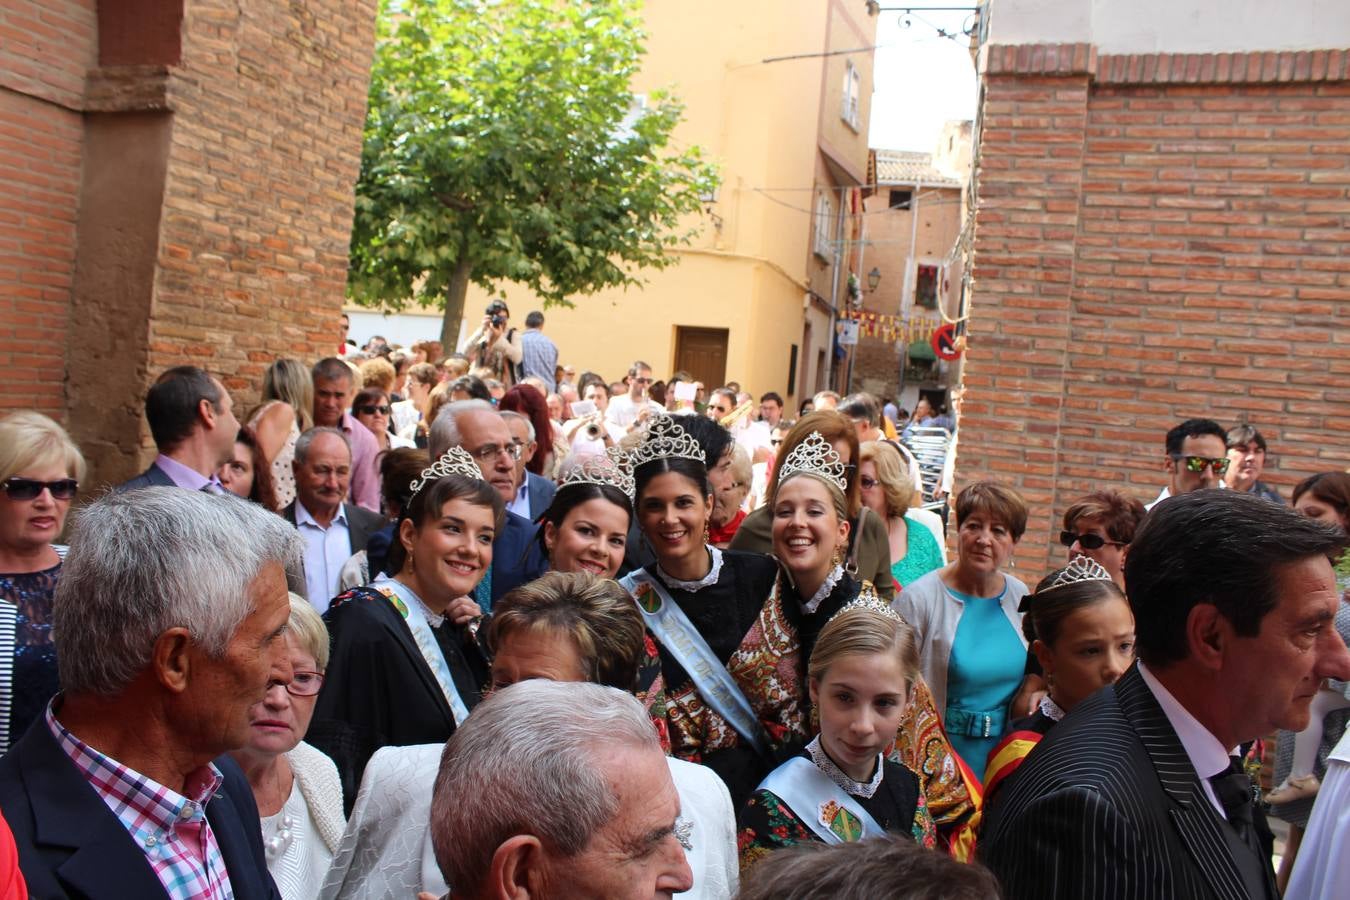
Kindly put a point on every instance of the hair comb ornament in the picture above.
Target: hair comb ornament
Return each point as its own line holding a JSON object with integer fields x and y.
{"x": 664, "y": 439}
{"x": 1080, "y": 568}
{"x": 611, "y": 469}
{"x": 814, "y": 456}
{"x": 455, "y": 461}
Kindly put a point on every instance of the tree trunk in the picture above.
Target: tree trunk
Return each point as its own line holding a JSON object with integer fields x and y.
{"x": 455, "y": 291}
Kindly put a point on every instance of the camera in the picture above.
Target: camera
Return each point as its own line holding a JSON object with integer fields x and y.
{"x": 496, "y": 312}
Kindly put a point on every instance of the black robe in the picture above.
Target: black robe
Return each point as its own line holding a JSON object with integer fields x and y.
{"x": 378, "y": 690}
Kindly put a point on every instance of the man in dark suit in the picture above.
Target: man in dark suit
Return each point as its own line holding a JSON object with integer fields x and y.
{"x": 533, "y": 494}
{"x": 332, "y": 529}
{"x": 191, "y": 418}
{"x": 169, "y": 621}
{"x": 1136, "y": 794}
{"x": 477, "y": 427}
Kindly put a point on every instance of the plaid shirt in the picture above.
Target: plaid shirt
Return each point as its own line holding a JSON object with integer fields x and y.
{"x": 539, "y": 357}
{"x": 171, "y": 829}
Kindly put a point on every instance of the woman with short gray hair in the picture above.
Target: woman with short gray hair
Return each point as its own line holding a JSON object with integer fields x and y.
{"x": 40, "y": 472}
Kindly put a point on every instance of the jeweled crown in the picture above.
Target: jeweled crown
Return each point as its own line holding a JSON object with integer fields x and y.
{"x": 612, "y": 469}
{"x": 455, "y": 461}
{"x": 814, "y": 456}
{"x": 1080, "y": 568}
{"x": 869, "y": 600}
{"x": 664, "y": 439}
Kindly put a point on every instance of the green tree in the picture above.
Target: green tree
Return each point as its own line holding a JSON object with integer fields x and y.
{"x": 501, "y": 144}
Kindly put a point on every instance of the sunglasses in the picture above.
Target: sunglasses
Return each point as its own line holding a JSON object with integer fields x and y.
{"x": 1197, "y": 464}
{"x": 868, "y": 482}
{"x": 28, "y": 489}
{"x": 372, "y": 410}
{"x": 1086, "y": 541}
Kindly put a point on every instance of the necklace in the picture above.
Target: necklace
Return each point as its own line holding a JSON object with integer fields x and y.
{"x": 839, "y": 776}
{"x": 695, "y": 586}
{"x": 281, "y": 839}
{"x": 825, "y": 589}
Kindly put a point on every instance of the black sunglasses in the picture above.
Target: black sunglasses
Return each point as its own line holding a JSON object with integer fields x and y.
{"x": 372, "y": 410}
{"x": 1086, "y": 541}
{"x": 28, "y": 489}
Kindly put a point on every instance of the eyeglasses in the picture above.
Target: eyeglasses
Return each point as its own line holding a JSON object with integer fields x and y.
{"x": 488, "y": 452}
{"x": 1086, "y": 541}
{"x": 775, "y": 441}
{"x": 868, "y": 482}
{"x": 1196, "y": 464}
{"x": 28, "y": 489}
{"x": 372, "y": 410}
{"x": 303, "y": 684}
{"x": 643, "y": 380}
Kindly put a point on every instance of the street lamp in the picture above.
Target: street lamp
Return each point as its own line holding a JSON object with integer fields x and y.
{"x": 873, "y": 279}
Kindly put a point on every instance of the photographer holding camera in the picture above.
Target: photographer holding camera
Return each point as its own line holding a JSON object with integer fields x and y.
{"x": 495, "y": 345}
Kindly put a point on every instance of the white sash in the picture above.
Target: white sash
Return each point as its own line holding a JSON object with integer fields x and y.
{"x": 820, "y": 803}
{"x": 715, "y": 684}
{"x": 409, "y": 605}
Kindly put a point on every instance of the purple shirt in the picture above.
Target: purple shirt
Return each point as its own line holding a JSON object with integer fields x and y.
{"x": 188, "y": 478}
{"x": 365, "y": 486}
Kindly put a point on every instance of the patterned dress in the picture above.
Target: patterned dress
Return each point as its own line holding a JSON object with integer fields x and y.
{"x": 746, "y": 629}
{"x": 28, "y": 678}
{"x": 766, "y": 823}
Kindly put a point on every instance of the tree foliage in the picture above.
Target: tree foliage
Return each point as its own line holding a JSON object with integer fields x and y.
{"x": 500, "y": 145}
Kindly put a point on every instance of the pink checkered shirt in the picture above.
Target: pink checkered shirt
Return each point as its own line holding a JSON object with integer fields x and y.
{"x": 169, "y": 828}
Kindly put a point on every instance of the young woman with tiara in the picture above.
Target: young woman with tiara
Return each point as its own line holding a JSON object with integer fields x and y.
{"x": 842, "y": 787}
{"x": 810, "y": 530}
{"x": 405, "y": 668}
{"x": 728, "y": 688}
{"x": 1081, "y": 630}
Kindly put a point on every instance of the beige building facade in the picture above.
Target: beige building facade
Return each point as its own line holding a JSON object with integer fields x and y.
{"x": 777, "y": 93}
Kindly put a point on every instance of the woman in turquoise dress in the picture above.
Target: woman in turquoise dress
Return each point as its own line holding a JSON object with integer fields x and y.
{"x": 887, "y": 490}
{"x": 972, "y": 650}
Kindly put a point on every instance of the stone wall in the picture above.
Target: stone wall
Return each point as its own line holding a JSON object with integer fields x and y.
{"x": 197, "y": 202}
{"x": 1157, "y": 237}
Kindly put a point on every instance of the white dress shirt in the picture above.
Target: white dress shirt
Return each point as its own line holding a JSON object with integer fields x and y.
{"x": 326, "y": 549}
{"x": 1323, "y": 861}
{"x": 520, "y": 503}
{"x": 1207, "y": 755}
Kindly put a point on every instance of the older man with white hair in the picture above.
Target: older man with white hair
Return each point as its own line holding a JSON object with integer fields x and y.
{"x": 168, "y": 624}
{"x": 558, "y": 790}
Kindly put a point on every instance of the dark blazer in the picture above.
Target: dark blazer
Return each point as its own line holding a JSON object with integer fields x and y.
{"x": 151, "y": 477}
{"x": 540, "y": 492}
{"x": 361, "y": 523}
{"x": 517, "y": 557}
{"x": 1107, "y": 806}
{"x": 71, "y": 845}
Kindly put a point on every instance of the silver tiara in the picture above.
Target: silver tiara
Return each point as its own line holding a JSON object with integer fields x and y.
{"x": 868, "y": 600}
{"x": 663, "y": 440}
{"x": 1080, "y": 568}
{"x": 814, "y": 456}
{"x": 612, "y": 469}
{"x": 455, "y": 461}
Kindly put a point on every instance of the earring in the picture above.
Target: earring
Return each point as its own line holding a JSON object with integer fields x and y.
{"x": 707, "y": 534}
{"x": 838, "y": 558}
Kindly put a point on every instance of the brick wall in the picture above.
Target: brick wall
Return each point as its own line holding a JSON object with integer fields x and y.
{"x": 185, "y": 197}
{"x": 1157, "y": 237}
{"x": 45, "y": 48}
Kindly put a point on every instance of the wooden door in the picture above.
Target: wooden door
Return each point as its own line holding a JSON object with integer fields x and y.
{"x": 702, "y": 352}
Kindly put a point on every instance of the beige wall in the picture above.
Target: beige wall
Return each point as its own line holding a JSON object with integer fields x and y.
{"x": 761, "y": 123}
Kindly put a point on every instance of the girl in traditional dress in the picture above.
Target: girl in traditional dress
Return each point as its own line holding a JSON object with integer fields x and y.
{"x": 842, "y": 787}
{"x": 729, "y": 688}
{"x": 810, "y": 531}
{"x": 585, "y": 528}
{"x": 405, "y": 668}
{"x": 1082, "y": 632}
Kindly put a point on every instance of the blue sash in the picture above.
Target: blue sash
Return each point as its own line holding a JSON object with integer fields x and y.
{"x": 715, "y": 684}
{"x": 409, "y": 605}
{"x": 827, "y": 809}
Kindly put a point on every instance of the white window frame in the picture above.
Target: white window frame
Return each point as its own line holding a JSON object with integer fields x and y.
{"x": 851, "y": 108}
{"x": 821, "y": 241}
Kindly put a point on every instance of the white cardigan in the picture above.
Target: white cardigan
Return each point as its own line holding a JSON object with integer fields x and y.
{"x": 934, "y": 613}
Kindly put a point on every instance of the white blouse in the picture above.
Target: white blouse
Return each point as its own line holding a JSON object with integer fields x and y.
{"x": 297, "y": 856}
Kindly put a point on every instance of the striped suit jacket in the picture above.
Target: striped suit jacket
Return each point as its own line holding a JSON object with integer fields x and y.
{"x": 1108, "y": 806}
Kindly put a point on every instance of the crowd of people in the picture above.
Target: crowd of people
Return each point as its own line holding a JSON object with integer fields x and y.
{"x": 476, "y": 625}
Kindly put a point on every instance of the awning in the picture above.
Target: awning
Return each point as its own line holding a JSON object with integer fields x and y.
{"x": 921, "y": 351}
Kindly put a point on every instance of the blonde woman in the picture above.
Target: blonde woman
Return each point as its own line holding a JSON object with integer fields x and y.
{"x": 40, "y": 472}
{"x": 286, "y": 411}
{"x": 916, "y": 549}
